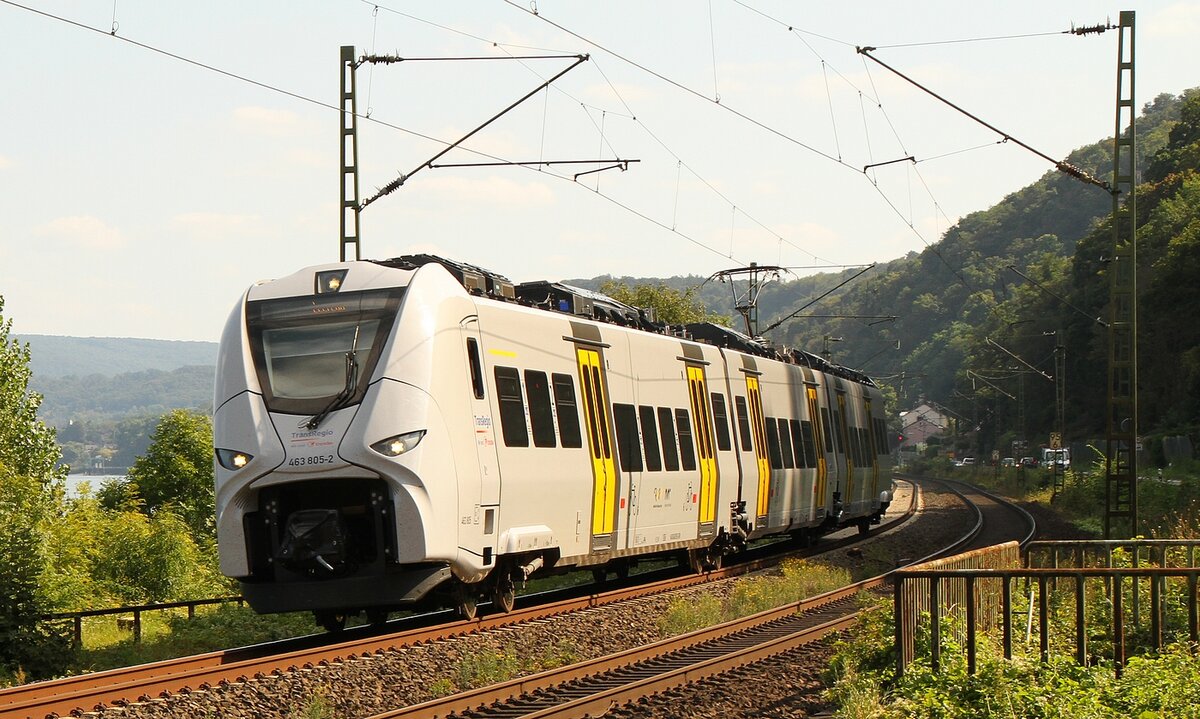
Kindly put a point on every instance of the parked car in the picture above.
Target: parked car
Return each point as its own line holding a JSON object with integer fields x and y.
{"x": 1029, "y": 462}
{"x": 1008, "y": 462}
{"x": 967, "y": 462}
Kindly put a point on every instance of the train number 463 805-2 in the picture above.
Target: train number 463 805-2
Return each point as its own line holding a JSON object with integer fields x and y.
{"x": 308, "y": 461}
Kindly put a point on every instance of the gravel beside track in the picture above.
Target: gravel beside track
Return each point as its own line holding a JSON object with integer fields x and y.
{"x": 369, "y": 685}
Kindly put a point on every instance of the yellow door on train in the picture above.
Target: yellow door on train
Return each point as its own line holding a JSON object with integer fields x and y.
{"x": 698, "y": 389}
{"x": 760, "y": 446}
{"x": 814, "y": 413}
{"x": 599, "y": 431}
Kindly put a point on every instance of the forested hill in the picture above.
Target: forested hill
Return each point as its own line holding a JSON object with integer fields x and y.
{"x": 107, "y": 379}
{"x": 54, "y": 356}
{"x": 1030, "y": 273}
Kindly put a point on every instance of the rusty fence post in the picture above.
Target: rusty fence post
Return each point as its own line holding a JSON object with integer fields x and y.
{"x": 935, "y": 624}
{"x": 899, "y": 620}
{"x": 970, "y": 600}
{"x": 1043, "y": 620}
{"x": 1080, "y": 620}
{"x": 1006, "y": 614}
{"x": 1118, "y": 626}
{"x": 1192, "y": 629}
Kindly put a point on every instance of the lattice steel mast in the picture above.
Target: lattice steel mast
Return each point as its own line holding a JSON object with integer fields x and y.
{"x": 1122, "y": 421}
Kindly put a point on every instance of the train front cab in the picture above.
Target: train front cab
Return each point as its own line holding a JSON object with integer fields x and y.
{"x": 360, "y": 510}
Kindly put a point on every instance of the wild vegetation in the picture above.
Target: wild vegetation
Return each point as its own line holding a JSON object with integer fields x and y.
{"x": 146, "y": 539}
{"x": 864, "y": 686}
{"x": 1030, "y": 274}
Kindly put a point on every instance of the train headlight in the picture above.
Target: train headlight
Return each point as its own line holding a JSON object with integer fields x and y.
{"x": 330, "y": 281}
{"x": 398, "y": 445}
{"x": 233, "y": 459}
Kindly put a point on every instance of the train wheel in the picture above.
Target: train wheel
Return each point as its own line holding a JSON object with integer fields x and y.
{"x": 377, "y": 616}
{"x": 332, "y": 621}
{"x": 705, "y": 559}
{"x": 864, "y": 525}
{"x": 465, "y": 602}
{"x": 504, "y": 593}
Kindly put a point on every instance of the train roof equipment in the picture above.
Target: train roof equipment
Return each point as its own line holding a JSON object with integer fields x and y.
{"x": 573, "y": 300}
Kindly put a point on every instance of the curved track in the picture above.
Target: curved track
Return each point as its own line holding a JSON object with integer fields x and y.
{"x": 121, "y": 687}
{"x": 593, "y": 688}
{"x": 823, "y": 615}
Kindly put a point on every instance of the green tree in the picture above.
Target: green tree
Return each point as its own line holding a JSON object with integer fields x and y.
{"x": 30, "y": 488}
{"x": 27, "y": 445}
{"x": 675, "y": 307}
{"x": 25, "y": 645}
{"x": 150, "y": 559}
{"x": 177, "y": 471}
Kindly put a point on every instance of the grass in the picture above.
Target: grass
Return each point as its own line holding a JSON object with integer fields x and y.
{"x": 166, "y": 636}
{"x": 796, "y": 580}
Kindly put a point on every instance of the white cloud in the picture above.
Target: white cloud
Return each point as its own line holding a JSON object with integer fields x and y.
{"x": 82, "y": 231}
{"x": 5, "y": 162}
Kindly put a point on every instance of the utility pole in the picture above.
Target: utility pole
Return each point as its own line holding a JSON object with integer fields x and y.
{"x": 1060, "y": 403}
{"x": 349, "y": 154}
{"x": 1122, "y": 421}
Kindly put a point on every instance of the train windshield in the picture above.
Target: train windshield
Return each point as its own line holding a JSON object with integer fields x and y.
{"x": 309, "y": 350}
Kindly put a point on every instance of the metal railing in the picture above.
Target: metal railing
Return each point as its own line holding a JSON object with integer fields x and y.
{"x": 76, "y": 618}
{"x": 974, "y": 596}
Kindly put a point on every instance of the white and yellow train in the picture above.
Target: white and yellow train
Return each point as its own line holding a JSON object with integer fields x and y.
{"x": 417, "y": 430}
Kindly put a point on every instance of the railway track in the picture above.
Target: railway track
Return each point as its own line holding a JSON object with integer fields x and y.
{"x": 99, "y": 691}
{"x": 596, "y": 687}
{"x": 215, "y": 672}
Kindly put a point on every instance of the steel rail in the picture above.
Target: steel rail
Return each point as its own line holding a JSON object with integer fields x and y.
{"x": 486, "y": 696}
{"x": 118, "y": 687}
{"x": 607, "y": 696}
{"x": 130, "y": 684}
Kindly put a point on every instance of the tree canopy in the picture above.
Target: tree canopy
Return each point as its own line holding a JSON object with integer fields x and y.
{"x": 675, "y": 307}
{"x": 27, "y": 445}
{"x": 177, "y": 470}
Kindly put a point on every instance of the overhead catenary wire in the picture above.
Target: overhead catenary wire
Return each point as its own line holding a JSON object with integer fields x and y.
{"x": 1062, "y": 165}
{"x": 320, "y": 103}
{"x": 630, "y": 115}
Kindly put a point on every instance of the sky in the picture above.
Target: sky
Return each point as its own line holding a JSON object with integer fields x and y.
{"x": 158, "y": 158}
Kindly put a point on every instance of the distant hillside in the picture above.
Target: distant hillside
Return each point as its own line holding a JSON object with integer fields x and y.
{"x": 55, "y": 357}
{"x": 149, "y": 392}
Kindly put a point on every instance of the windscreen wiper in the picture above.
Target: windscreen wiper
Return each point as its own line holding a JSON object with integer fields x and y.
{"x": 347, "y": 392}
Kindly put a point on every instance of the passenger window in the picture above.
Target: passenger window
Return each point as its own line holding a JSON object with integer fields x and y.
{"x": 810, "y": 443}
{"x": 797, "y": 443}
{"x": 721, "y": 418}
{"x": 687, "y": 450}
{"x": 476, "y": 367}
{"x": 567, "y": 410}
{"x": 785, "y": 444}
{"x": 512, "y": 407}
{"x": 541, "y": 417}
{"x": 666, "y": 432}
{"x": 773, "y": 444}
{"x": 627, "y": 439}
{"x": 825, "y": 429}
{"x": 650, "y": 439}
{"x": 743, "y": 419}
